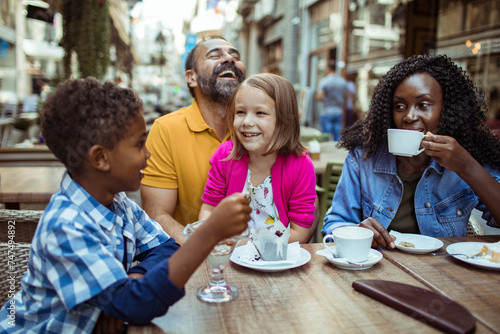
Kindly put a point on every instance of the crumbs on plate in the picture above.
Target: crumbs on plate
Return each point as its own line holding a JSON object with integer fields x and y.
{"x": 406, "y": 244}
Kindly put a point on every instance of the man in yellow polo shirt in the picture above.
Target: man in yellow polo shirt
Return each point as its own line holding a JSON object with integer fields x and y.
{"x": 182, "y": 142}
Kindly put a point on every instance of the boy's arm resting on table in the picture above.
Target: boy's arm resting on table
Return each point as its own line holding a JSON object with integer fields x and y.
{"x": 140, "y": 300}
{"x": 134, "y": 300}
{"x": 152, "y": 257}
{"x": 229, "y": 218}
{"x": 160, "y": 203}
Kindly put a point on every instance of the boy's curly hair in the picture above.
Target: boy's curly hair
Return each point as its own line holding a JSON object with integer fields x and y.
{"x": 84, "y": 112}
{"x": 463, "y": 116}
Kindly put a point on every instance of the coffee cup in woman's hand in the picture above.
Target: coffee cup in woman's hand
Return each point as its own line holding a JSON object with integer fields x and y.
{"x": 405, "y": 143}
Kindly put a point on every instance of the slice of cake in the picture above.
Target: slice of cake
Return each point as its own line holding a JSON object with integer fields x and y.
{"x": 490, "y": 252}
{"x": 272, "y": 242}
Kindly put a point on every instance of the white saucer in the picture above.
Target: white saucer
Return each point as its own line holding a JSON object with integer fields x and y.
{"x": 423, "y": 244}
{"x": 374, "y": 257}
{"x": 471, "y": 248}
{"x": 305, "y": 256}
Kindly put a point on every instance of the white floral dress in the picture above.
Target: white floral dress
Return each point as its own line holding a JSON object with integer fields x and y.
{"x": 264, "y": 212}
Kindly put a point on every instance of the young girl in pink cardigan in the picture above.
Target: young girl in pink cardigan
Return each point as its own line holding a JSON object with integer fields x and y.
{"x": 265, "y": 157}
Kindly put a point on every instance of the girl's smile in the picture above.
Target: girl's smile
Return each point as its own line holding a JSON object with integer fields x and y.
{"x": 255, "y": 119}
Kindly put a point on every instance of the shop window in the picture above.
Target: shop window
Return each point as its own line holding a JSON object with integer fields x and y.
{"x": 274, "y": 56}
{"x": 482, "y": 14}
{"x": 372, "y": 29}
{"x": 7, "y": 13}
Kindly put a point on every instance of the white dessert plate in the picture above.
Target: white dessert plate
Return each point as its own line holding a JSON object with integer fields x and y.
{"x": 471, "y": 248}
{"x": 423, "y": 244}
{"x": 304, "y": 257}
{"x": 374, "y": 257}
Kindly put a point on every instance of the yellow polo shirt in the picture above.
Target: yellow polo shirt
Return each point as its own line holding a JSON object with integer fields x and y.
{"x": 181, "y": 144}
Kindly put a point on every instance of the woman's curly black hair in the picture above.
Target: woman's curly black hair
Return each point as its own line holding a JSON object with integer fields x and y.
{"x": 463, "y": 116}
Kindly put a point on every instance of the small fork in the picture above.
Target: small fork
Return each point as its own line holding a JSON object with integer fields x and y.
{"x": 475, "y": 256}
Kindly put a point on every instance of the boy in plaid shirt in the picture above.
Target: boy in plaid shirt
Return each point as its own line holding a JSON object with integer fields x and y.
{"x": 79, "y": 277}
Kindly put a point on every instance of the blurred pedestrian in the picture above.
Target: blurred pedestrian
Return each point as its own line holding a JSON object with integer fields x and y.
{"x": 332, "y": 91}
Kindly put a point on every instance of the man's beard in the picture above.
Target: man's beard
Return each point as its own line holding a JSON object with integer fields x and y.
{"x": 219, "y": 91}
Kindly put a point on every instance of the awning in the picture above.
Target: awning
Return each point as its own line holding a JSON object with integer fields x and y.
{"x": 42, "y": 50}
{"x": 399, "y": 2}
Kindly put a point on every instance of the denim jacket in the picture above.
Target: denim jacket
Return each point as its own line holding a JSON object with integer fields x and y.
{"x": 372, "y": 188}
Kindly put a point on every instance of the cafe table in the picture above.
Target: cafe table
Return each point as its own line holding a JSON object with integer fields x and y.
{"x": 475, "y": 288}
{"x": 37, "y": 155}
{"x": 314, "y": 298}
{"x": 28, "y": 185}
{"x": 329, "y": 153}
{"x": 5, "y": 129}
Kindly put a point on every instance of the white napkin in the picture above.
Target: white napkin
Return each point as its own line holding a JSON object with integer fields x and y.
{"x": 271, "y": 239}
{"x": 314, "y": 146}
{"x": 250, "y": 255}
{"x": 326, "y": 253}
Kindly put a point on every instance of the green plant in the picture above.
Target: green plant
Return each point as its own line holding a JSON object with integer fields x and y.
{"x": 86, "y": 31}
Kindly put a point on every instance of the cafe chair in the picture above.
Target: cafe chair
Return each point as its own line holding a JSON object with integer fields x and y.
{"x": 325, "y": 192}
{"x": 13, "y": 262}
{"x": 474, "y": 227}
{"x": 324, "y": 137}
{"x": 309, "y": 133}
{"x": 18, "y": 223}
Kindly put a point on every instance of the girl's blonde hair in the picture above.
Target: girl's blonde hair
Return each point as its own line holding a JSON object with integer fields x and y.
{"x": 286, "y": 138}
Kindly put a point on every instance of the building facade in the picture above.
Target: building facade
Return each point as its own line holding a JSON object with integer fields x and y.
{"x": 30, "y": 47}
{"x": 366, "y": 38}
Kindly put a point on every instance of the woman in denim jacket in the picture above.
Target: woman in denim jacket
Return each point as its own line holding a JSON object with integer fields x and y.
{"x": 434, "y": 192}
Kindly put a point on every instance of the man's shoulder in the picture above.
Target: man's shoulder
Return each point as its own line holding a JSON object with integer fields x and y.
{"x": 187, "y": 118}
{"x": 223, "y": 151}
{"x": 179, "y": 114}
{"x": 226, "y": 146}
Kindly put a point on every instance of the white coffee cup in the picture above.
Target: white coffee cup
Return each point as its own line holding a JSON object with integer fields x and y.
{"x": 404, "y": 142}
{"x": 351, "y": 242}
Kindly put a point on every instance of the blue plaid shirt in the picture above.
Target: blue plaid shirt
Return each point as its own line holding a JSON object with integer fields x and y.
{"x": 77, "y": 252}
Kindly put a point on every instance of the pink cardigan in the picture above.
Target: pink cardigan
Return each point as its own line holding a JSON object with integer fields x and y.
{"x": 293, "y": 181}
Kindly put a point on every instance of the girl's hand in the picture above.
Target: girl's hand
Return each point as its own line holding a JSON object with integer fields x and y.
{"x": 447, "y": 152}
{"x": 380, "y": 235}
{"x": 229, "y": 218}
